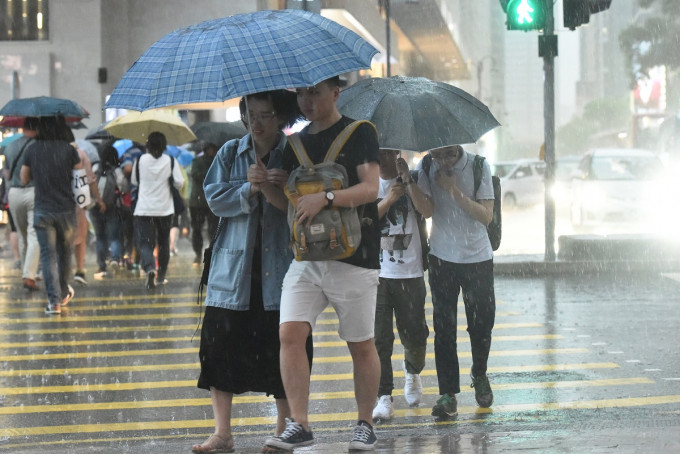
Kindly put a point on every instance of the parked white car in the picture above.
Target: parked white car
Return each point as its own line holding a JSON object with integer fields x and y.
{"x": 616, "y": 186}
{"x": 521, "y": 182}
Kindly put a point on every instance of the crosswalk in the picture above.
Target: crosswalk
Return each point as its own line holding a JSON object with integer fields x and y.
{"x": 121, "y": 365}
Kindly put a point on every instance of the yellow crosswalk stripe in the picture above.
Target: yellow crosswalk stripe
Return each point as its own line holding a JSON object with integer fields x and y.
{"x": 325, "y": 377}
{"x": 338, "y": 417}
{"x": 158, "y": 340}
{"x": 194, "y": 350}
{"x": 321, "y": 396}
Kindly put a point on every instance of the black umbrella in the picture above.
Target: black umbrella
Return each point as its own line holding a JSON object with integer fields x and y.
{"x": 99, "y": 133}
{"x": 417, "y": 114}
{"x": 218, "y": 133}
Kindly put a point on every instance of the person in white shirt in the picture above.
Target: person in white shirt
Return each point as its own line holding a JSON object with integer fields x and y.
{"x": 401, "y": 291}
{"x": 154, "y": 209}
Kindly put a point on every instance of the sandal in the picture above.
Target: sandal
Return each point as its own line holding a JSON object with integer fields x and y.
{"x": 215, "y": 444}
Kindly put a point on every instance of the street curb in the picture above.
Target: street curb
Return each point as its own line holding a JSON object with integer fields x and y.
{"x": 515, "y": 267}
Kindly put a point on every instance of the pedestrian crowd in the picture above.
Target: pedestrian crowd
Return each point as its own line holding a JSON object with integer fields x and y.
{"x": 262, "y": 300}
{"x": 131, "y": 212}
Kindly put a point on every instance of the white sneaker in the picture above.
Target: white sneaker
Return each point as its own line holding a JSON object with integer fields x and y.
{"x": 413, "y": 388}
{"x": 99, "y": 275}
{"x": 383, "y": 409}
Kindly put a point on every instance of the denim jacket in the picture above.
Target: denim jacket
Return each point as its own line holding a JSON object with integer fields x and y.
{"x": 227, "y": 194}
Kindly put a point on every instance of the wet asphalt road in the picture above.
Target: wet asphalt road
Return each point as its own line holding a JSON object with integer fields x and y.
{"x": 579, "y": 363}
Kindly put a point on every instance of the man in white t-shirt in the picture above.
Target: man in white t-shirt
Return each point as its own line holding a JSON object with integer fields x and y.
{"x": 401, "y": 290}
{"x": 461, "y": 259}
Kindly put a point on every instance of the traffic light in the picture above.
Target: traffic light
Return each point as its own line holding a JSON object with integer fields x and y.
{"x": 577, "y": 12}
{"x": 525, "y": 14}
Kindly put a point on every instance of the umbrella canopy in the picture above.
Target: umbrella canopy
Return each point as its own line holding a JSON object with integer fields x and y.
{"x": 137, "y": 126}
{"x": 218, "y": 133}
{"x": 183, "y": 156}
{"x": 89, "y": 149}
{"x": 7, "y": 140}
{"x": 122, "y": 145}
{"x": 415, "y": 113}
{"x": 99, "y": 133}
{"x": 238, "y": 55}
{"x": 44, "y": 106}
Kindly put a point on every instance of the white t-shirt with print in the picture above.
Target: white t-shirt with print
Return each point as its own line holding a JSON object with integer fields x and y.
{"x": 401, "y": 229}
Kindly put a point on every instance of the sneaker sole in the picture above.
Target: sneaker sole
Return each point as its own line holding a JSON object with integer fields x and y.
{"x": 440, "y": 413}
{"x": 52, "y": 311}
{"x": 274, "y": 443}
{"x": 354, "y": 446}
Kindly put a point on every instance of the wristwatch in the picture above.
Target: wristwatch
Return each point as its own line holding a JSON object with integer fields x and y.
{"x": 330, "y": 196}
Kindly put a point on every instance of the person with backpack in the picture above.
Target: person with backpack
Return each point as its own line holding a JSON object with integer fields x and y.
{"x": 401, "y": 292}
{"x": 461, "y": 258}
{"x": 348, "y": 284}
{"x": 110, "y": 179}
{"x": 153, "y": 174}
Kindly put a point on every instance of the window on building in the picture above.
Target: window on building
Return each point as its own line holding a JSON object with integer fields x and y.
{"x": 24, "y": 20}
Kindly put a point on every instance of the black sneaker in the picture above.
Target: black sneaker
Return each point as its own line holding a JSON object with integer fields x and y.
{"x": 294, "y": 436}
{"x": 363, "y": 438}
{"x": 80, "y": 277}
{"x": 446, "y": 407}
{"x": 483, "y": 393}
{"x": 151, "y": 280}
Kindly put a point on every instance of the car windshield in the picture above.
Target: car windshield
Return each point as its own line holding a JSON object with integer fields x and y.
{"x": 625, "y": 167}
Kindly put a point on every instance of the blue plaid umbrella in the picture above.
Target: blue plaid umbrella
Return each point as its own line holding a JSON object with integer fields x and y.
{"x": 238, "y": 55}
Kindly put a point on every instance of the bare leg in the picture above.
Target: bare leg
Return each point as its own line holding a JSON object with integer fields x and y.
{"x": 282, "y": 412}
{"x": 295, "y": 369}
{"x": 221, "y": 403}
{"x": 366, "y": 376}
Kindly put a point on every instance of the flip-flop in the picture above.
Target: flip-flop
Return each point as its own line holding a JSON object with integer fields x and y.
{"x": 224, "y": 445}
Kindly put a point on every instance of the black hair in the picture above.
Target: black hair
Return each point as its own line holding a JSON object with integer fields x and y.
{"x": 284, "y": 103}
{"x": 156, "y": 144}
{"x": 109, "y": 157}
{"x": 31, "y": 123}
{"x": 334, "y": 81}
{"x": 52, "y": 128}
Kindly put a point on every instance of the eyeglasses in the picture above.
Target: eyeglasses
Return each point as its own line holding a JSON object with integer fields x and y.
{"x": 262, "y": 117}
{"x": 444, "y": 154}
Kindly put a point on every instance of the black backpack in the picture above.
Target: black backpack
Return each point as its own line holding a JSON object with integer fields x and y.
{"x": 108, "y": 189}
{"x": 494, "y": 229}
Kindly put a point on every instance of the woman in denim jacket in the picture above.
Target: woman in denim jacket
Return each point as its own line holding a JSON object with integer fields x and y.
{"x": 239, "y": 349}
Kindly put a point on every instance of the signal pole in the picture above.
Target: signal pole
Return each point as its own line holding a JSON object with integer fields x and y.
{"x": 547, "y": 48}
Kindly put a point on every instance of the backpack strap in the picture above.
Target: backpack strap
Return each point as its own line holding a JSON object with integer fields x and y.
{"x": 477, "y": 169}
{"x": 16, "y": 161}
{"x": 299, "y": 150}
{"x": 341, "y": 139}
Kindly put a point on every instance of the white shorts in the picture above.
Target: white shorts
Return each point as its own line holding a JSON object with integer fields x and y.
{"x": 309, "y": 287}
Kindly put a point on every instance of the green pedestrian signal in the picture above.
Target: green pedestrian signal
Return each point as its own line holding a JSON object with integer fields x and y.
{"x": 526, "y": 14}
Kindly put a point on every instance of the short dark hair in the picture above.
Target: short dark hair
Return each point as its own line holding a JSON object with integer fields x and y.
{"x": 334, "y": 81}
{"x": 31, "y": 123}
{"x": 284, "y": 103}
{"x": 156, "y": 144}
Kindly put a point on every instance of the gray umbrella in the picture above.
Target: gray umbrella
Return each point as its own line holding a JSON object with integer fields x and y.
{"x": 415, "y": 113}
{"x": 218, "y": 133}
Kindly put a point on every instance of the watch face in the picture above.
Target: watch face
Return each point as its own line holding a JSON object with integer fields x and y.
{"x": 330, "y": 195}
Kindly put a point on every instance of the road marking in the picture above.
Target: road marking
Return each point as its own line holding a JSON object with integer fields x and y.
{"x": 154, "y": 340}
{"x": 191, "y": 328}
{"x": 127, "y": 369}
{"x": 322, "y": 396}
{"x": 338, "y": 417}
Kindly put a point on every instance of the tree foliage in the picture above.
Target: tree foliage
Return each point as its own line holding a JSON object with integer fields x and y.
{"x": 654, "y": 38}
{"x": 600, "y": 117}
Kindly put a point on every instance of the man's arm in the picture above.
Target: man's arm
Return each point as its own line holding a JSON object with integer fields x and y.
{"x": 481, "y": 210}
{"x": 25, "y": 175}
{"x": 365, "y": 191}
{"x": 421, "y": 201}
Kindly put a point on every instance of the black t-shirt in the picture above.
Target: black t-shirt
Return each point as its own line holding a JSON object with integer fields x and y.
{"x": 360, "y": 148}
{"x": 51, "y": 163}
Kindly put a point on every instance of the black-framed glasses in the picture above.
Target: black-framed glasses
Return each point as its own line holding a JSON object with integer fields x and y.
{"x": 263, "y": 117}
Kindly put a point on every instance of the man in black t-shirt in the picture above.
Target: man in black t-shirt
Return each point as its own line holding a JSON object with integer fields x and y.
{"x": 50, "y": 161}
{"x": 349, "y": 285}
